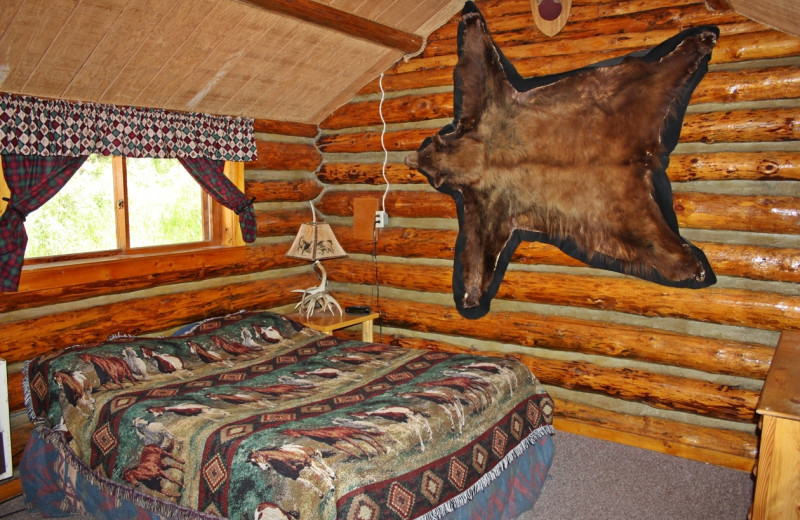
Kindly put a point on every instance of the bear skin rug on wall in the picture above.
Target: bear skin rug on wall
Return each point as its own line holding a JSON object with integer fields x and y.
{"x": 577, "y": 160}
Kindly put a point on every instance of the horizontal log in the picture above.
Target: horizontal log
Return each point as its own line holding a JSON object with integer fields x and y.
{"x": 734, "y": 166}
{"x": 734, "y": 442}
{"x": 757, "y": 309}
{"x": 427, "y": 204}
{"x": 271, "y": 126}
{"x": 717, "y": 86}
{"x": 401, "y": 242}
{"x": 275, "y": 223}
{"x": 694, "y": 210}
{"x": 661, "y": 391}
{"x": 740, "y": 260}
{"x": 771, "y": 311}
{"x": 655, "y": 390}
{"x": 720, "y": 446}
{"x": 409, "y": 80}
{"x": 737, "y": 44}
{"x": 735, "y": 358}
{"x": 369, "y": 173}
{"x": 761, "y": 214}
{"x": 734, "y": 126}
{"x": 418, "y": 107}
{"x": 285, "y": 156}
{"x": 761, "y": 45}
{"x": 27, "y": 338}
{"x": 771, "y": 165}
{"x": 732, "y": 86}
{"x": 732, "y": 43}
{"x": 79, "y": 281}
{"x": 754, "y": 262}
{"x": 358, "y": 142}
{"x": 742, "y": 126}
{"x": 282, "y": 191}
{"x": 593, "y": 19}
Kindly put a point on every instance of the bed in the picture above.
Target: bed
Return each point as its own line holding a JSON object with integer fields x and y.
{"x": 254, "y": 416}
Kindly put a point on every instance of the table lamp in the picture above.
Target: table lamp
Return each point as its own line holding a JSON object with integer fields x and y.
{"x": 315, "y": 241}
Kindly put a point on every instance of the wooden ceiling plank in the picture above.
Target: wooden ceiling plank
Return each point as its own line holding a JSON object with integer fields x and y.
{"x": 718, "y": 5}
{"x": 284, "y": 78}
{"x": 28, "y": 39}
{"x": 8, "y": 15}
{"x": 260, "y": 64}
{"x": 281, "y": 74}
{"x": 199, "y": 43}
{"x": 781, "y": 14}
{"x": 224, "y": 67}
{"x": 164, "y": 41}
{"x": 355, "y": 84}
{"x": 342, "y": 21}
{"x": 121, "y": 42}
{"x": 355, "y": 59}
{"x": 76, "y": 40}
{"x": 316, "y": 60}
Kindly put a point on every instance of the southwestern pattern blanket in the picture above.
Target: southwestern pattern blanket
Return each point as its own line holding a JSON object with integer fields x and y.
{"x": 253, "y": 412}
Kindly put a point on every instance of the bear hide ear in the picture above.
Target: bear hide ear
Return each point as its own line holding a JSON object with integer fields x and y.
{"x": 577, "y": 160}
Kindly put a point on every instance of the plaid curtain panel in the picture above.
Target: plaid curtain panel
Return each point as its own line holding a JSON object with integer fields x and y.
{"x": 32, "y": 126}
{"x": 210, "y": 175}
{"x": 32, "y": 180}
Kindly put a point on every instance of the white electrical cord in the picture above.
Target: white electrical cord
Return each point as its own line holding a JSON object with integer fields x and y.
{"x": 383, "y": 145}
{"x": 383, "y": 208}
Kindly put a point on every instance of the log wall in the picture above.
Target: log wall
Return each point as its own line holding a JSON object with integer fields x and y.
{"x": 53, "y": 310}
{"x": 674, "y": 370}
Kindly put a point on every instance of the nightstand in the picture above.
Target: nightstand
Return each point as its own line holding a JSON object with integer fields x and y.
{"x": 328, "y": 322}
{"x": 778, "y": 479}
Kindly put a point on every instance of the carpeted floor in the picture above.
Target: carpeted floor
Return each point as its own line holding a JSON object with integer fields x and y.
{"x": 592, "y": 479}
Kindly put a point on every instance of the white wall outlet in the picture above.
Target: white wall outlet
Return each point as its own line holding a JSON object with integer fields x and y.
{"x": 381, "y": 219}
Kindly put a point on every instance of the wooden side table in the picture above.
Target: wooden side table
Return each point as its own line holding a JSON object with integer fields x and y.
{"x": 777, "y": 492}
{"x": 328, "y": 322}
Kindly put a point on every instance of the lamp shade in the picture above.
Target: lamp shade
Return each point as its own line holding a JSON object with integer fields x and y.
{"x": 315, "y": 241}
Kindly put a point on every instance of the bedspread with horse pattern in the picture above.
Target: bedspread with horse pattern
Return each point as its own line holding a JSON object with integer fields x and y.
{"x": 252, "y": 413}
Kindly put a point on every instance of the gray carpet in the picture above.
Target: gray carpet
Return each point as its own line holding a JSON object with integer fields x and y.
{"x": 592, "y": 479}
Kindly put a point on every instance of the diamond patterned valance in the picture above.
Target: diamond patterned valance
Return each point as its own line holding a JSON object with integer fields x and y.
{"x": 49, "y": 127}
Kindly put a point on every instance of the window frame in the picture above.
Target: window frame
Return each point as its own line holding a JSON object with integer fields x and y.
{"x": 67, "y": 270}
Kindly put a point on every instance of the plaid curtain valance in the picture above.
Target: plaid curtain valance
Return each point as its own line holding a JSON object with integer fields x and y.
{"x": 50, "y": 127}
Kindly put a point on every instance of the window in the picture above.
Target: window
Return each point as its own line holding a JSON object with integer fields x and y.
{"x": 122, "y": 252}
{"x": 117, "y": 205}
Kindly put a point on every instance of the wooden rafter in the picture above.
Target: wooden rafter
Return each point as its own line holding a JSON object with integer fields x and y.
{"x": 718, "y": 5}
{"x": 342, "y": 21}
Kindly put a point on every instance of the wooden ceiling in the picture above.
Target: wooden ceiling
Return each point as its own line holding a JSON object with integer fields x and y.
{"x": 783, "y": 15}
{"x": 287, "y": 60}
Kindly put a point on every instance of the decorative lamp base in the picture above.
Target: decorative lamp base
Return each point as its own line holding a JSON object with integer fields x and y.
{"x": 317, "y": 297}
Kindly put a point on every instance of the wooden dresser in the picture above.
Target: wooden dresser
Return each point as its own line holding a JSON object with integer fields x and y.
{"x": 777, "y": 494}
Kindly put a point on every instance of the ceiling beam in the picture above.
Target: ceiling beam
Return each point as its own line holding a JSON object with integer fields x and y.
{"x": 718, "y": 5}
{"x": 342, "y": 21}
{"x": 784, "y": 15}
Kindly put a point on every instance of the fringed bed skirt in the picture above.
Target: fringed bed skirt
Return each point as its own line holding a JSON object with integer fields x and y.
{"x": 56, "y": 483}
